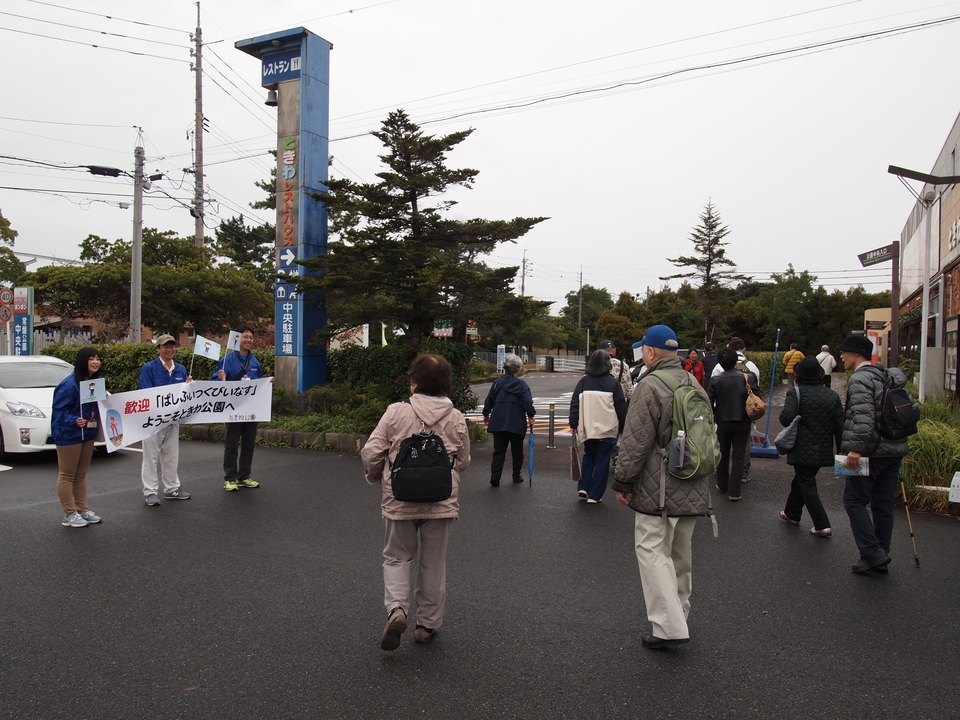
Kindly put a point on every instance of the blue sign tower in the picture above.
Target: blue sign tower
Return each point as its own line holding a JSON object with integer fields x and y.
{"x": 296, "y": 63}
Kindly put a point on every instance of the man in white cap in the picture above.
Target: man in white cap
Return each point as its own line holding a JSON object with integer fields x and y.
{"x": 828, "y": 362}
{"x": 161, "y": 451}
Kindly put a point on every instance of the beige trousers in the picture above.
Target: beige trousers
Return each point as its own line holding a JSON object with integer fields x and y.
{"x": 664, "y": 553}
{"x": 399, "y": 553}
{"x": 73, "y": 462}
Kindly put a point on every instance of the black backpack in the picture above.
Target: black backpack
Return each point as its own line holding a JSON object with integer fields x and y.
{"x": 421, "y": 471}
{"x": 899, "y": 414}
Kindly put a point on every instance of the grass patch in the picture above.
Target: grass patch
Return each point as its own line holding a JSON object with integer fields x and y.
{"x": 934, "y": 455}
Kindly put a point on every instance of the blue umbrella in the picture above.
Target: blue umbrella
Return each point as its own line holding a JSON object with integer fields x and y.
{"x": 530, "y": 443}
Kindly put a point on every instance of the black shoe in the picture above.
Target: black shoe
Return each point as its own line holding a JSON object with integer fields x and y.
{"x": 878, "y": 561}
{"x": 518, "y": 479}
{"x": 655, "y": 643}
{"x": 494, "y": 483}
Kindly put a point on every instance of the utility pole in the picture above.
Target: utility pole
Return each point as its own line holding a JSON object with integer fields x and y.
{"x": 198, "y": 136}
{"x": 136, "y": 257}
{"x": 523, "y": 274}
{"x": 580, "y": 306}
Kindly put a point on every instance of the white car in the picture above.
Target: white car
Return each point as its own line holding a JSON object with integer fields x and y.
{"x": 27, "y": 383}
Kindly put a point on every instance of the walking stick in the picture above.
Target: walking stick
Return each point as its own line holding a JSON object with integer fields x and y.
{"x": 906, "y": 506}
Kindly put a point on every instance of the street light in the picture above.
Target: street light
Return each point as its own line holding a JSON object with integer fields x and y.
{"x": 927, "y": 202}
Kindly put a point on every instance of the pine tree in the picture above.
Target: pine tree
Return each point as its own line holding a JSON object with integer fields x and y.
{"x": 396, "y": 257}
{"x": 707, "y": 267}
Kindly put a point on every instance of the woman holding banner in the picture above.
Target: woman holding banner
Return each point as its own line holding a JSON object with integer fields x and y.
{"x": 74, "y": 426}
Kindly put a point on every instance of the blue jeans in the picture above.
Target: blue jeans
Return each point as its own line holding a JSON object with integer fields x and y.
{"x": 595, "y": 467}
{"x": 879, "y": 491}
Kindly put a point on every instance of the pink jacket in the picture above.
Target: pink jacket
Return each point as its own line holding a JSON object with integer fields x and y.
{"x": 400, "y": 421}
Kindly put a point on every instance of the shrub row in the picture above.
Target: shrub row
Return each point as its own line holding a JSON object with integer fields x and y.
{"x": 361, "y": 381}
{"x": 121, "y": 363}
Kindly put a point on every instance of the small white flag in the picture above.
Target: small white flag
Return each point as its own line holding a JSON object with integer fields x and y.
{"x": 93, "y": 391}
{"x": 233, "y": 342}
{"x": 206, "y": 348}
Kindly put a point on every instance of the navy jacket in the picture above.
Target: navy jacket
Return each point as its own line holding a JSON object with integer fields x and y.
{"x": 66, "y": 410}
{"x": 154, "y": 374}
{"x": 508, "y": 405}
{"x": 232, "y": 364}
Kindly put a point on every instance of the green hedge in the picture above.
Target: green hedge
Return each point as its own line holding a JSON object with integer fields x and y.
{"x": 764, "y": 363}
{"x": 122, "y": 363}
{"x": 360, "y": 380}
{"x": 387, "y": 368}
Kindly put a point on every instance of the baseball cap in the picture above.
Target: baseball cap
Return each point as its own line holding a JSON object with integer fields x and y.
{"x": 660, "y": 336}
{"x": 607, "y": 345}
{"x": 710, "y": 346}
{"x": 165, "y": 340}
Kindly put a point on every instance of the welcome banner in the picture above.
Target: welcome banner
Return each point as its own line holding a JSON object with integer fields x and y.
{"x": 132, "y": 416}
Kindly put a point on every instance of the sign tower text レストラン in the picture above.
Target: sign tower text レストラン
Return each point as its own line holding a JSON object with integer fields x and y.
{"x": 296, "y": 63}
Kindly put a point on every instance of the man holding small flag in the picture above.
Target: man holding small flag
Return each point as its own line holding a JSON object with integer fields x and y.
{"x": 239, "y": 365}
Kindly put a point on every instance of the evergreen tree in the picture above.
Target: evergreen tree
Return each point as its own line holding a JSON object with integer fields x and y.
{"x": 394, "y": 256}
{"x": 10, "y": 266}
{"x": 708, "y": 267}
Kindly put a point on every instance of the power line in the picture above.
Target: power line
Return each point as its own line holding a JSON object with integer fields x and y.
{"x": 605, "y": 57}
{"x": 109, "y": 17}
{"x": 243, "y": 105}
{"x": 99, "y": 32}
{"x": 69, "y": 192}
{"x": 99, "y": 47}
{"x": 634, "y": 84}
{"x": 56, "y": 122}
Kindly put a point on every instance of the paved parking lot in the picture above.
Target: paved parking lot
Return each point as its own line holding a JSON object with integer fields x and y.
{"x": 267, "y": 604}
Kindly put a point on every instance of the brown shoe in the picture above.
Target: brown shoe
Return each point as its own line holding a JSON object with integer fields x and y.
{"x": 423, "y": 635}
{"x": 395, "y": 627}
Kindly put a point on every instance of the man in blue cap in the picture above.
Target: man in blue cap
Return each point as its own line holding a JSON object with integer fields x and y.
{"x": 665, "y": 514}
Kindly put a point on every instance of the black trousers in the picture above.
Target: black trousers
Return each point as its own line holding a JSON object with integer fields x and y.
{"x": 243, "y": 434}
{"x": 873, "y": 530}
{"x": 804, "y": 493}
{"x": 500, "y": 442}
{"x": 734, "y": 438}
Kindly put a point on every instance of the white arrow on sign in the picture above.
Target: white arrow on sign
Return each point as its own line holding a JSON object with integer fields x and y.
{"x": 288, "y": 257}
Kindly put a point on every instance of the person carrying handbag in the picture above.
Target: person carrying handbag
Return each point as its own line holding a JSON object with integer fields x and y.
{"x": 818, "y": 435}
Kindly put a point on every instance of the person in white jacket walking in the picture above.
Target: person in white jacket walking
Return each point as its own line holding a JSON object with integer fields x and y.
{"x": 828, "y": 362}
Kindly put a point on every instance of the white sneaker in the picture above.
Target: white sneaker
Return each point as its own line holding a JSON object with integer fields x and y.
{"x": 74, "y": 520}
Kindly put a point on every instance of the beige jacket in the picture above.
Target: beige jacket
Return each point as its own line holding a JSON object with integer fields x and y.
{"x": 400, "y": 421}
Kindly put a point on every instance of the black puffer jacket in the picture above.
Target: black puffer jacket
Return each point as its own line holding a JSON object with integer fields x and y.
{"x": 862, "y": 413}
{"x": 821, "y": 424}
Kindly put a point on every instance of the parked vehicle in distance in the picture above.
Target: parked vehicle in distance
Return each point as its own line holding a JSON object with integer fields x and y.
{"x": 27, "y": 383}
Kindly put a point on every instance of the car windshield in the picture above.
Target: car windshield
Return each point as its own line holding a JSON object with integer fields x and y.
{"x": 32, "y": 375}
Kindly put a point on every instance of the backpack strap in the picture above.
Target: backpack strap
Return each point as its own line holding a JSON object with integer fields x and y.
{"x": 423, "y": 426}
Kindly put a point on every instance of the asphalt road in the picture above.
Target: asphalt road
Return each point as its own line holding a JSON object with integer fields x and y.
{"x": 268, "y": 603}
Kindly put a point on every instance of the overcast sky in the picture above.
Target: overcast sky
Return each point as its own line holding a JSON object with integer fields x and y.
{"x": 618, "y": 120}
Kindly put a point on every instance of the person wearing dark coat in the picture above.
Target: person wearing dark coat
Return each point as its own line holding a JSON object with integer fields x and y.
{"x": 818, "y": 436}
{"x": 506, "y": 412}
{"x": 709, "y": 361}
{"x": 728, "y": 395}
